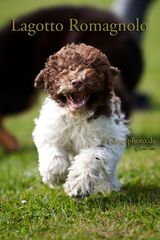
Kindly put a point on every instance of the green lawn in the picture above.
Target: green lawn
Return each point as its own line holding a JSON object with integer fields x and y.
{"x": 30, "y": 210}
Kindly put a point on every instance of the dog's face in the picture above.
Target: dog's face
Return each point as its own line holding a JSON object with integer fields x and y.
{"x": 78, "y": 77}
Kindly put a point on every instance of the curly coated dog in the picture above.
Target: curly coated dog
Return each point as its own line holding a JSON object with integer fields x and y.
{"x": 80, "y": 134}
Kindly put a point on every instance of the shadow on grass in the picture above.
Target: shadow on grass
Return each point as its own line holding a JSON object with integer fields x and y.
{"x": 129, "y": 195}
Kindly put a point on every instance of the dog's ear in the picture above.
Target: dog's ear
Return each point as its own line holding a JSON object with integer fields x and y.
{"x": 114, "y": 71}
{"x": 39, "y": 80}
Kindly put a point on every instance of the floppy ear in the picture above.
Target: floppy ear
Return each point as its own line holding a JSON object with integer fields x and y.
{"x": 39, "y": 80}
{"x": 114, "y": 71}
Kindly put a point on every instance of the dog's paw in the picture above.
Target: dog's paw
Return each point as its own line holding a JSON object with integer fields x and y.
{"x": 79, "y": 187}
{"x": 56, "y": 172}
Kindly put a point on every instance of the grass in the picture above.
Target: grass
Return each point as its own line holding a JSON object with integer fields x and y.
{"x": 132, "y": 213}
{"x": 30, "y": 210}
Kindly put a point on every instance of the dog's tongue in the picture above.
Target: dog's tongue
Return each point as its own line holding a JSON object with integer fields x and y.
{"x": 77, "y": 100}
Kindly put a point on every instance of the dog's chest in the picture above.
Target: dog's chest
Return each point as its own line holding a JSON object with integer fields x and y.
{"x": 76, "y": 134}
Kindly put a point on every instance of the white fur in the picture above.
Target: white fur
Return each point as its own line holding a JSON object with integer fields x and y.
{"x": 83, "y": 153}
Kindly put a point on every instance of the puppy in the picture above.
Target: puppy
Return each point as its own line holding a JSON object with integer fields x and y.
{"x": 80, "y": 134}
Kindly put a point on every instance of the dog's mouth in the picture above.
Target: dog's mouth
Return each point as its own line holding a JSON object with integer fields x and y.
{"x": 77, "y": 100}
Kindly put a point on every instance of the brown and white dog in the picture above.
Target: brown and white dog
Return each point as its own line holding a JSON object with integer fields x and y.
{"x": 81, "y": 133}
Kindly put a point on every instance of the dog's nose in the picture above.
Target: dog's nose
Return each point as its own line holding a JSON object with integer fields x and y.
{"x": 76, "y": 83}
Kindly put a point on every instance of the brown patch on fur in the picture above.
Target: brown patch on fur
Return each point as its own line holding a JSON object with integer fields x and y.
{"x": 79, "y": 70}
{"x": 117, "y": 103}
{"x": 117, "y": 111}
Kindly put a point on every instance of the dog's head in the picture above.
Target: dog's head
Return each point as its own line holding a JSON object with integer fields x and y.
{"x": 79, "y": 77}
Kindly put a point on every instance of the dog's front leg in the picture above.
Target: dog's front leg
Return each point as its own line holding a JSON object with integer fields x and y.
{"x": 53, "y": 164}
{"x": 92, "y": 170}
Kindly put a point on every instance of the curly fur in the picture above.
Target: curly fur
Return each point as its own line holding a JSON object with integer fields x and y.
{"x": 75, "y": 139}
{"x": 82, "y": 62}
